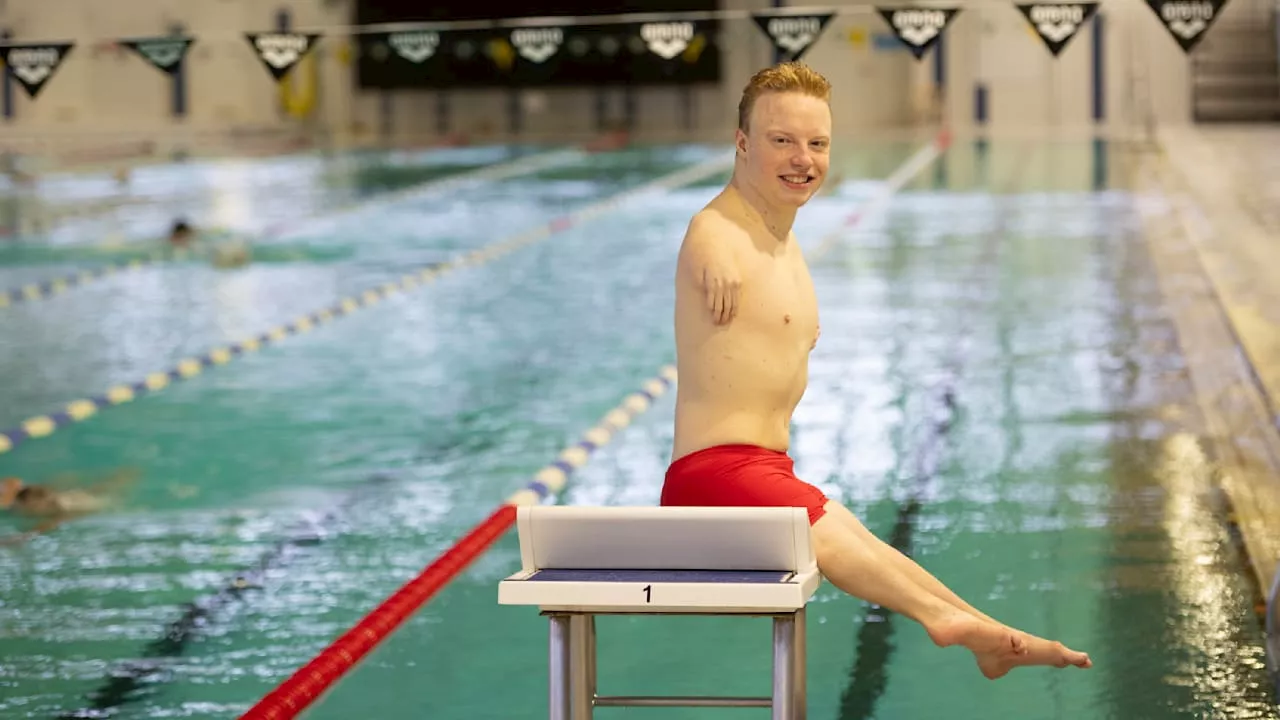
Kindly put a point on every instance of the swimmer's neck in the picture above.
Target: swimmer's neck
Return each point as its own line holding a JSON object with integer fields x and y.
{"x": 776, "y": 219}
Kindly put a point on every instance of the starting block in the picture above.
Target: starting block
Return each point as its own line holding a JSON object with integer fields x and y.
{"x": 579, "y": 562}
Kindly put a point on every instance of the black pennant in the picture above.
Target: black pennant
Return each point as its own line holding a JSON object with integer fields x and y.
{"x": 280, "y": 51}
{"x": 33, "y": 64}
{"x": 917, "y": 26}
{"x": 792, "y": 34}
{"x": 1057, "y": 23}
{"x": 1187, "y": 20}
{"x": 165, "y": 53}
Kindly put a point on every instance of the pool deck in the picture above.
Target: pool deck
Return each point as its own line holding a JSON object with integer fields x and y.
{"x": 1214, "y": 244}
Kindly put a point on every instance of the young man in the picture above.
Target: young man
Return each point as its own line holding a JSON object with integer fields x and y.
{"x": 746, "y": 320}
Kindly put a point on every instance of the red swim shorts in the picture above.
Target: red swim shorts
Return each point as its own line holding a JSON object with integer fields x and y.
{"x": 740, "y": 476}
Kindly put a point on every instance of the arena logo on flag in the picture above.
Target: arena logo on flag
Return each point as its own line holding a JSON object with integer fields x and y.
{"x": 165, "y": 53}
{"x": 416, "y": 47}
{"x": 792, "y": 35}
{"x": 1057, "y": 23}
{"x": 1187, "y": 20}
{"x": 34, "y": 64}
{"x": 668, "y": 39}
{"x": 537, "y": 45}
{"x": 279, "y": 52}
{"x": 918, "y": 27}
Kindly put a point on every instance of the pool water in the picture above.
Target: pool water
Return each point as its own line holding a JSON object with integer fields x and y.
{"x": 998, "y": 392}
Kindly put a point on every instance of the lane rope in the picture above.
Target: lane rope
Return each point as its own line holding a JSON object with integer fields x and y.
{"x": 490, "y": 173}
{"x": 292, "y": 696}
{"x": 42, "y": 426}
{"x": 309, "y": 682}
{"x": 51, "y": 288}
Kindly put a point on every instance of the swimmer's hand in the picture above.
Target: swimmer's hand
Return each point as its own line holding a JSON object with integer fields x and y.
{"x": 721, "y": 283}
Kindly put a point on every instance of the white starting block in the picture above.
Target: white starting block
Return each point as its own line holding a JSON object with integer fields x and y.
{"x": 579, "y": 562}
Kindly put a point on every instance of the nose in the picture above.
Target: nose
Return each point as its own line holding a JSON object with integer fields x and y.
{"x": 801, "y": 159}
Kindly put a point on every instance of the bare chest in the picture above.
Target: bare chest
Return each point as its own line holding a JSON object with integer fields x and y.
{"x": 779, "y": 298}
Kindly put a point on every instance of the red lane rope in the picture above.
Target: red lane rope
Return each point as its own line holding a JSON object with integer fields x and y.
{"x": 301, "y": 689}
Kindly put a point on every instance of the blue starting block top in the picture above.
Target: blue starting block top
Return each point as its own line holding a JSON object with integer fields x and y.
{"x": 662, "y": 576}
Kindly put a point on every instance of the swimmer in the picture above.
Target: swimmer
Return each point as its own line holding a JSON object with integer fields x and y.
{"x": 231, "y": 253}
{"x": 181, "y": 235}
{"x": 44, "y": 501}
{"x": 746, "y": 320}
{"x": 55, "y": 505}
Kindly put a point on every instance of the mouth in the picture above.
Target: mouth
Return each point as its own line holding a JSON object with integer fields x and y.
{"x": 797, "y": 182}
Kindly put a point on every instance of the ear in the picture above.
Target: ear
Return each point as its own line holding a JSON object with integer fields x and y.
{"x": 740, "y": 141}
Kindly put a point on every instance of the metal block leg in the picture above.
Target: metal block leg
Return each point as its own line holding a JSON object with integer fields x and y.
{"x": 784, "y": 665}
{"x": 591, "y": 657}
{"x": 801, "y": 710}
{"x": 558, "y": 691}
{"x": 581, "y": 687}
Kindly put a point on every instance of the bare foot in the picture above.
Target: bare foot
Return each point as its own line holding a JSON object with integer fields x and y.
{"x": 1039, "y": 652}
{"x": 979, "y": 636}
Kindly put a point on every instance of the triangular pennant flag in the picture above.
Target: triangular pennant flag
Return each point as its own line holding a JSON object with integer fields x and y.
{"x": 33, "y": 64}
{"x": 280, "y": 51}
{"x": 792, "y": 34}
{"x": 1057, "y": 23}
{"x": 919, "y": 27}
{"x": 1187, "y": 20}
{"x": 165, "y": 53}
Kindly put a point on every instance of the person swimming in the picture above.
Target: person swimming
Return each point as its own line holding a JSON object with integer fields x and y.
{"x": 232, "y": 252}
{"x": 46, "y": 502}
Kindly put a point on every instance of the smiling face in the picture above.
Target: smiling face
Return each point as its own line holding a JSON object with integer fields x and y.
{"x": 785, "y": 149}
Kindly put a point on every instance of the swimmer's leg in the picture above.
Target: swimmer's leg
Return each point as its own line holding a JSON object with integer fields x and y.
{"x": 906, "y": 565}
{"x": 1036, "y": 651}
{"x": 853, "y": 565}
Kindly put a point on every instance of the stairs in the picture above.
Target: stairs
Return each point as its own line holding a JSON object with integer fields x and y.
{"x": 1235, "y": 70}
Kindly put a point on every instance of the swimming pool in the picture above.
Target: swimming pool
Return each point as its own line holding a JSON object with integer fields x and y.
{"x": 1063, "y": 493}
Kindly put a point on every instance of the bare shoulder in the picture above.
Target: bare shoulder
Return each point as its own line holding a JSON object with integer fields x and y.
{"x": 710, "y": 234}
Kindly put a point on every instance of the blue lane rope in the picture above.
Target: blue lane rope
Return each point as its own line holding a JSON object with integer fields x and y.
{"x": 79, "y": 410}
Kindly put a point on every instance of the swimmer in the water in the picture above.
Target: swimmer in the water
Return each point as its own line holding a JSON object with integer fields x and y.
{"x": 43, "y": 501}
{"x": 231, "y": 253}
{"x": 53, "y": 506}
{"x": 181, "y": 235}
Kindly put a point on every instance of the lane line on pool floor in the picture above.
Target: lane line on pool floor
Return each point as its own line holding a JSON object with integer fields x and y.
{"x": 132, "y": 680}
{"x": 79, "y": 410}
{"x": 48, "y": 289}
{"x": 292, "y": 696}
{"x": 868, "y": 676}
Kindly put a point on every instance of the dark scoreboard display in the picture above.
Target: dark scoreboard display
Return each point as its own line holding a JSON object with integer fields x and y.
{"x": 654, "y": 51}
